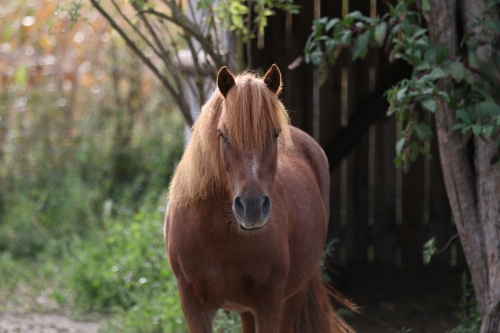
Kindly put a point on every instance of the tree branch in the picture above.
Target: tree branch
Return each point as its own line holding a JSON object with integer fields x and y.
{"x": 181, "y": 102}
{"x": 208, "y": 48}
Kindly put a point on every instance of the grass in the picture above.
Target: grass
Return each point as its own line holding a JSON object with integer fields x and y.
{"x": 122, "y": 270}
{"x": 27, "y": 285}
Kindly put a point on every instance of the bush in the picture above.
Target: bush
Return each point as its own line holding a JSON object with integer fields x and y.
{"x": 122, "y": 269}
{"x": 470, "y": 316}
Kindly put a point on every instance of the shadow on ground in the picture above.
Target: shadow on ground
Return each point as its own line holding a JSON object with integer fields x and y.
{"x": 425, "y": 300}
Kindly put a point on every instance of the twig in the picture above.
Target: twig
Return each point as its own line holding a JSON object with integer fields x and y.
{"x": 177, "y": 97}
{"x": 447, "y": 244}
{"x": 201, "y": 39}
{"x": 135, "y": 28}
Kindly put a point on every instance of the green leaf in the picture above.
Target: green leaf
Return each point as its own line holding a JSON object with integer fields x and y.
{"x": 486, "y": 95}
{"x": 399, "y": 146}
{"x": 442, "y": 55}
{"x": 429, "y": 104}
{"x": 237, "y": 8}
{"x": 429, "y": 250}
{"x": 321, "y": 21}
{"x": 423, "y": 131}
{"x": 398, "y": 160}
{"x": 425, "y": 152}
{"x": 330, "y": 44}
{"x": 457, "y": 71}
{"x": 471, "y": 111}
{"x": 355, "y": 14}
{"x": 473, "y": 61}
{"x": 436, "y": 73}
{"x": 458, "y": 126}
{"x": 476, "y": 129}
{"x": 487, "y": 130}
{"x": 419, "y": 33}
{"x": 331, "y": 24}
{"x": 461, "y": 114}
{"x": 237, "y": 21}
{"x": 346, "y": 37}
{"x": 426, "y": 6}
{"x": 401, "y": 93}
{"x": 423, "y": 66}
{"x": 316, "y": 57}
{"x": 21, "y": 75}
{"x": 490, "y": 108}
{"x": 380, "y": 33}
{"x": 493, "y": 25}
{"x": 490, "y": 71}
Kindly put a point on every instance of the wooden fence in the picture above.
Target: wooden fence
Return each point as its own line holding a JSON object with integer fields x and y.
{"x": 379, "y": 214}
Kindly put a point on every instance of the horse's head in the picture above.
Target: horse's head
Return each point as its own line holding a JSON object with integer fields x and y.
{"x": 252, "y": 119}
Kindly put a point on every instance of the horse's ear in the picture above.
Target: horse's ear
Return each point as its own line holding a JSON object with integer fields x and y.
{"x": 272, "y": 79}
{"x": 225, "y": 80}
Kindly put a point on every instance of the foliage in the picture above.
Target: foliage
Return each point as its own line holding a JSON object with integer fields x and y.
{"x": 327, "y": 255}
{"x": 65, "y": 152}
{"x": 470, "y": 316}
{"x": 429, "y": 250}
{"x": 234, "y": 14}
{"x": 477, "y": 83}
{"x": 173, "y": 39}
{"x": 74, "y": 12}
{"x": 27, "y": 284}
{"x": 122, "y": 269}
{"x": 227, "y": 322}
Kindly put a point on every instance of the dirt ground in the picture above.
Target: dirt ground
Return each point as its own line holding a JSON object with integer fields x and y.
{"x": 43, "y": 323}
{"x": 425, "y": 301}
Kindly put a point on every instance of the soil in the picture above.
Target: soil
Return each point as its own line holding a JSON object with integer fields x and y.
{"x": 43, "y": 323}
{"x": 424, "y": 300}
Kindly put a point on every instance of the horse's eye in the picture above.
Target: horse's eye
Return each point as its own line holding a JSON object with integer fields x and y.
{"x": 276, "y": 135}
{"x": 224, "y": 138}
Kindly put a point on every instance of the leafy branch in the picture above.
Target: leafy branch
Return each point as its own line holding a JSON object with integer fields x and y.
{"x": 233, "y": 14}
{"x": 413, "y": 101}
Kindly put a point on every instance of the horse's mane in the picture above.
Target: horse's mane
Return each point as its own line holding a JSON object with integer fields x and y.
{"x": 247, "y": 116}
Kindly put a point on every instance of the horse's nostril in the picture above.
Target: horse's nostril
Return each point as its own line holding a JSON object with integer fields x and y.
{"x": 266, "y": 206}
{"x": 239, "y": 207}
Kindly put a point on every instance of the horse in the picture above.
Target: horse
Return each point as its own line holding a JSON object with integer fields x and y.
{"x": 248, "y": 212}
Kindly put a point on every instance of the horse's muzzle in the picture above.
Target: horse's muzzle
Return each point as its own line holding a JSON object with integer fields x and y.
{"x": 252, "y": 211}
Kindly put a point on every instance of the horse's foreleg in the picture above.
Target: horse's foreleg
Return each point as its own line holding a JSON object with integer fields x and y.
{"x": 198, "y": 316}
{"x": 247, "y": 322}
{"x": 290, "y": 311}
{"x": 267, "y": 314}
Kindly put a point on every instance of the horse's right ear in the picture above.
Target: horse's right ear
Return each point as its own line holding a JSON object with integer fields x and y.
{"x": 225, "y": 80}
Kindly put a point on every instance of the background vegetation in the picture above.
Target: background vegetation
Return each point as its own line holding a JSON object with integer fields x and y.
{"x": 88, "y": 142}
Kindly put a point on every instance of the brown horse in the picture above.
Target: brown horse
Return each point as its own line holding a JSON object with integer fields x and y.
{"x": 248, "y": 213}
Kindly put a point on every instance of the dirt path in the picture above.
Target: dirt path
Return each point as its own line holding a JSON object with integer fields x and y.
{"x": 43, "y": 323}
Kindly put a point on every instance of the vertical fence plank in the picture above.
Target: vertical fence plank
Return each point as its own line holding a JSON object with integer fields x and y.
{"x": 384, "y": 225}
{"x": 412, "y": 214}
{"x": 330, "y": 108}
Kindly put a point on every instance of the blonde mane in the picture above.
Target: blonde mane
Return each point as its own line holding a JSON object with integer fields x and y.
{"x": 247, "y": 116}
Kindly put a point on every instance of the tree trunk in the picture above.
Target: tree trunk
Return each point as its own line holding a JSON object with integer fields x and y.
{"x": 472, "y": 184}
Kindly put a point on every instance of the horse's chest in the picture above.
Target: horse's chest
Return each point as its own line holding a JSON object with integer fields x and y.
{"x": 229, "y": 272}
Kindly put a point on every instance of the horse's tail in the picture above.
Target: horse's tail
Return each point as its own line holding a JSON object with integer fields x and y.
{"x": 317, "y": 314}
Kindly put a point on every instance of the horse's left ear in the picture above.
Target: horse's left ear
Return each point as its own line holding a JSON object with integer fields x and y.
{"x": 272, "y": 79}
{"x": 225, "y": 81}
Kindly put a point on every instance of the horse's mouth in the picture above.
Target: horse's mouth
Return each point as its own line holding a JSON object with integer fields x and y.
{"x": 250, "y": 226}
{"x": 253, "y": 228}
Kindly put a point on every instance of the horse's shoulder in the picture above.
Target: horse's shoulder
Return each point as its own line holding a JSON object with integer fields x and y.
{"x": 306, "y": 147}
{"x": 310, "y": 152}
